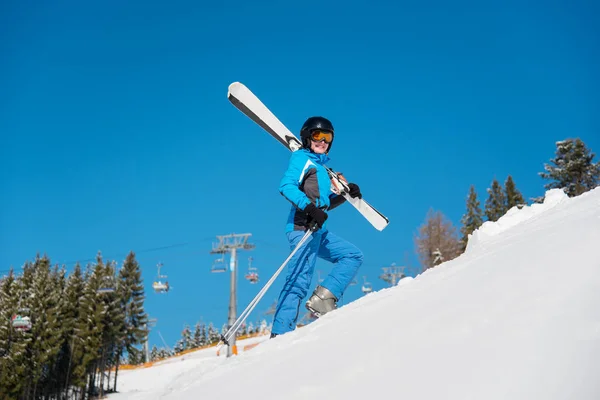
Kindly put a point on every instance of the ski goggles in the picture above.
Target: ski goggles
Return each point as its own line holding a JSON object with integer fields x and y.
{"x": 318, "y": 136}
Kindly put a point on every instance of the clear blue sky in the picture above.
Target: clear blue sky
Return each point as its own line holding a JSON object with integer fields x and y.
{"x": 117, "y": 134}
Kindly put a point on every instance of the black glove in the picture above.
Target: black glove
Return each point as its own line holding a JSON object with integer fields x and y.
{"x": 354, "y": 190}
{"x": 316, "y": 215}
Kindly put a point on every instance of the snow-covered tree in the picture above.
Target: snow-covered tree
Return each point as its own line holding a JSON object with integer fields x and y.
{"x": 47, "y": 327}
{"x": 186, "y": 338}
{"x": 135, "y": 357}
{"x": 164, "y": 353}
{"x": 573, "y": 168}
{"x": 8, "y": 306}
{"x": 154, "y": 355}
{"x": 16, "y": 366}
{"x": 131, "y": 295}
{"x": 200, "y": 337}
{"x": 114, "y": 323}
{"x": 213, "y": 334}
{"x": 76, "y": 329}
{"x": 251, "y": 329}
{"x": 8, "y": 303}
{"x": 264, "y": 327}
{"x": 243, "y": 330}
{"x": 74, "y": 294}
{"x": 90, "y": 328}
{"x": 179, "y": 346}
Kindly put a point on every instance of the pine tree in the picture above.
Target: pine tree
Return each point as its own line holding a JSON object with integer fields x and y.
{"x": 56, "y": 378}
{"x": 224, "y": 329}
{"x": 60, "y": 370}
{"x": 47, "y": 328}
{"x": 18, "y": 364}
{"x": 154, "y": 353}
{"x": 91, "y": 328}
{"x": 135, "y": 357}
{"x": 113, "y": 322}
{"x": 251, "y": 329}
{"x": 200, "y": 338}
{"x": 74, "y": 293}
{"x": 264, "y": 326}
{"x": 131, "y": 294}
{"x": 213, "y": 334}
{"x": 241, "y": 331}
{"x": 514, "y": 198}
{"x": 8, "y": 304}
{"x": 179, "y": 346}
{"x": 495, "y": 205}
{"x": 472, "y": 219}
{"x": 130, "y": 284}
{"x": 164, "y": 353}
{"x": 573, "y": 169}
{"x": 436, "y": 240}
{"x": 186, "y": 338}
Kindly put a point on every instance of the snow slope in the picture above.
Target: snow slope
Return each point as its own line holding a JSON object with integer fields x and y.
{"x": 517, "y": 316}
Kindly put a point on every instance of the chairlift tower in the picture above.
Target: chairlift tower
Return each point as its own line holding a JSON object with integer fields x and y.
{"x": 231, "y": 244}
{"x": 392, "y": 274}
{"x": 151, "y": 322}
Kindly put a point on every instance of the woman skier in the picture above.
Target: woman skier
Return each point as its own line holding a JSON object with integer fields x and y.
{"x": 308, "y": 187}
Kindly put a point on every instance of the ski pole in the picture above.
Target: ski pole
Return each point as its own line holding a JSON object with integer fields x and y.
{"x": 236, "y": 325}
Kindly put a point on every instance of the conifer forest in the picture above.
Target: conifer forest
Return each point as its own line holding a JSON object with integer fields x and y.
{"x": 64, "y": 336}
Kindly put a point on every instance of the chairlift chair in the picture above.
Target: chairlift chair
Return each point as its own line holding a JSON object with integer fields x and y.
{"x": 158, "y": 285}
{"x": 106, "y": 286}
{"x": 20, "y": 321}
{"x": 366, "y": 287}
{"x": 219, "y": 265}
{"x": 252, "y": 275}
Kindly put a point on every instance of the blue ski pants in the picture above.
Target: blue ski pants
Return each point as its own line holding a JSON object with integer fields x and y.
{"x": 346, "y": 258}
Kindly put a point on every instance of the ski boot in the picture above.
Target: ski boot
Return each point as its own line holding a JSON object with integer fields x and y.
{"x": 321, "y": 302}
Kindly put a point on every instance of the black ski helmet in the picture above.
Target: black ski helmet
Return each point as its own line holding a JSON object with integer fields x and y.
{"x": 314, "y": 123}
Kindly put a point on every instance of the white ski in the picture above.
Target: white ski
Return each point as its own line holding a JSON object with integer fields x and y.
{"x": 245, "y": 101}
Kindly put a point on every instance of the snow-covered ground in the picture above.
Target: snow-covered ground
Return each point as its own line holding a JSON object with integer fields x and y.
{"x": 516, "y": 317}
{"x": 170, "y": 375}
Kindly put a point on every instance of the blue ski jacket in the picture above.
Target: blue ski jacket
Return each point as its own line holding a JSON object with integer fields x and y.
{"x": 306, "y": 181}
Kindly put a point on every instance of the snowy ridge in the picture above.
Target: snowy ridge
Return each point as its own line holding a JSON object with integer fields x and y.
{"x": 515, "y": 216}
{"x": 515, "y": 317}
